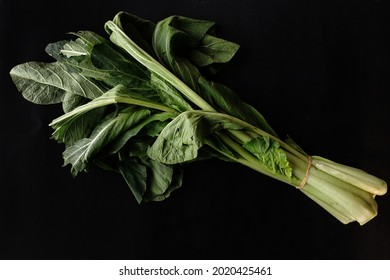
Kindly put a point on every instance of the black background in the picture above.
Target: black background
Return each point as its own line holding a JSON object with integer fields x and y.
{"x": 318, "y": 70}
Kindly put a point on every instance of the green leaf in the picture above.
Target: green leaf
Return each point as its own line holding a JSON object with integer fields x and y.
{"x": 77, "y": 127}
{"x": 114, "y": 68}
{"x": 75, "y": 48}
{"x": 179, "y": 34}
{"x": 72, "y": 101}
{"x": 227, "y": 101}
{"x": 80, "y": 116}
{"x": 81, "y": 152}
{"x": 213, "y": 50}
{"x": 139, "y": 29}
{"x": 94, "y": 57}
{"x": 68, "y": 127}
{"x": 54, "y": 50}
{"x": 47, "y": 83}
{"x": 187, "y": 31}
{"x": 162, "y": 180}
{"x": 126, "y": 136}
{"x": 270, "y": 154}
{"x": 168, "y": 94}
{"x": 81, "y": 62}
{"x": 219, "y": 149}
{"x": 150, "y": 180}
{"x": 181, "y": 139}
{"x": 90, "y": 38}
{"x": 183, "y": 45}
{"x": 135, "y": 175}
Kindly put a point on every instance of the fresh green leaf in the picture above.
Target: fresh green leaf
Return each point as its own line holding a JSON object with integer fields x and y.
{"x": 150, "y": 180}
{"x": 126, "y": 136}
{"x": 270, "y": 154}
{"x": 181, "y": 139}
{"x": 72, "y": 101}
{"x": 89, "y": 38}
{"x": 47, "y": 83}
{"x": 179, "y": 34}
{"x": 163, "y": 180}
{"x": 77, "y": 53}
{"x": 139, "y": 29}
{"x": 114, "y": 68}
{"x": 80, "y": 117}
{"x": 135, "y": 175}
{"x": 183, "y": 45}
{"x": 94, "y": 57}
{"x": 54, "y": 50}
{"x": 213, "y": 50}
{"x": 224, "y": 98}
{"x": 168, "y": 94}
{"x": 76, "y": 128}
{"x": 75, "y": 48}
{"x": 219, "y": 149}
{"x": 118, "y": 94}
{"x": 81, "y": 152}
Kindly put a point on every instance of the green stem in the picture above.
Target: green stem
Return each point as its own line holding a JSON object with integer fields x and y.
{"x": 245, "y": 137}
{"x": 121, "y": 39}
{"x": 147, "y": 104}
{"x": 96, "y": 103}
{"x": 108, "y": 100}
{"x": 340, "y": 198}
{"x": 352, "y": 175}
{"x": 251, "y": 161}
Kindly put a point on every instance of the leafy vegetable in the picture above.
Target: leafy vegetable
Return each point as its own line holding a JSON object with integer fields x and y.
{"x": 140, "y": 104}
{"x": 47, "y": 83}
{"x": 181, "y": 139}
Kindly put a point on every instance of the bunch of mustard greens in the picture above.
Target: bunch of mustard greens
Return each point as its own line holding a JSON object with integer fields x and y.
{"x": 139, "y": 104}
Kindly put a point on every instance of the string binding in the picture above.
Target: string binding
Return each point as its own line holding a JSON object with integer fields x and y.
{"x": 307, "y": 175}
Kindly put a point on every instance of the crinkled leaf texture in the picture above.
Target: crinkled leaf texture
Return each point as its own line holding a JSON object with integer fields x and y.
{"x": 95, "y": 57}
{"x": 47, "y": 83}
{"x": 80, "y": 154}
{"x": 270, "y": 154}
{"x": 182, "y": 138}
{"x": 150, "y": 180}
{"x": 191, "y": 42}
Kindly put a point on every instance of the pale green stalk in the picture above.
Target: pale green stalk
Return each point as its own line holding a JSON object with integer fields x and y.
{"x": 108, "y": 99}
{"x": 251, "y": 161}
{"x": 354, "y": 176}
{"x": 336, "y": 194}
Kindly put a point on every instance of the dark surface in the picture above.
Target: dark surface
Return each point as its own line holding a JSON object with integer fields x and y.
{"x": 318, "y": 70}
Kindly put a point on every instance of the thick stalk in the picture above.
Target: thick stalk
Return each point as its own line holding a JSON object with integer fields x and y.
{"x": 108, "y": 100}
{"x": 96, "y": 103}
{"x": 245, "y": 137}
{"x": 352, "y": 175}
{"x": 340, "y": 198}
{"x": 146, "y": 104}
